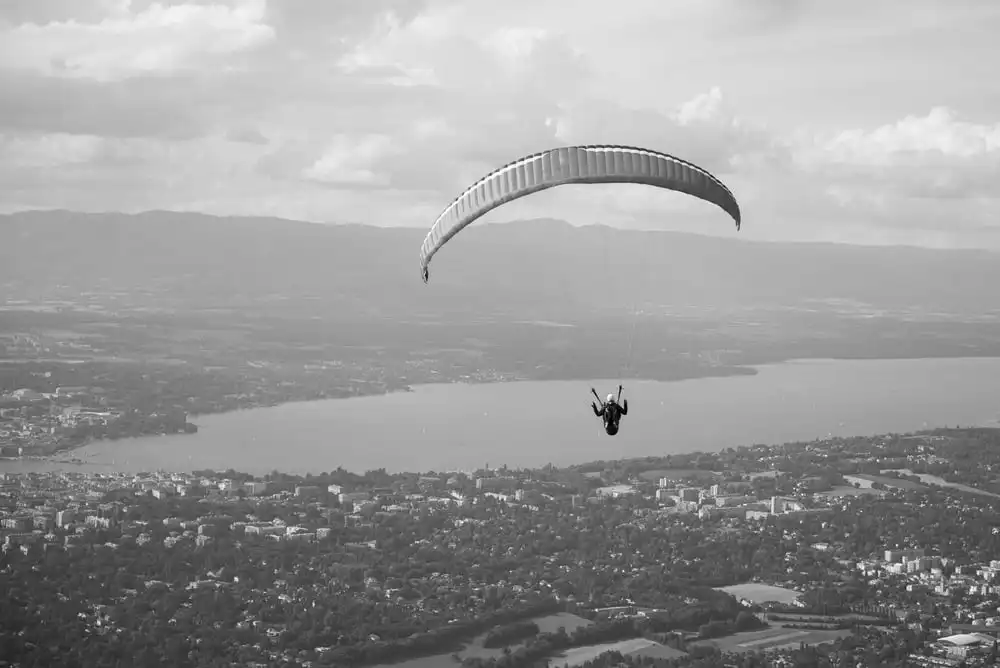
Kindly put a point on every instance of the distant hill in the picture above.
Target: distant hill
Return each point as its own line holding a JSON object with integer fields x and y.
{"x": 529, "y": 268}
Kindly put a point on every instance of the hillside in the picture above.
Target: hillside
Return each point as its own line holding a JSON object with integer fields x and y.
{"x": 526, "y": 269}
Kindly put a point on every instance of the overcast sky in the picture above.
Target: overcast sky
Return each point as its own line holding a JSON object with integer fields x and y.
{"x": 866, "y": 121}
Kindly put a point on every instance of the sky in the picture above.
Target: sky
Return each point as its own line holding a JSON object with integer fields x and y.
{"x": 857, "y": 121}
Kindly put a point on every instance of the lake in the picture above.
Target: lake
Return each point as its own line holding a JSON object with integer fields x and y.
{"x": 460, "y": 426}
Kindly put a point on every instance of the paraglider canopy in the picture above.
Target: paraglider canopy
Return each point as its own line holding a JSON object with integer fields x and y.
{"x": 573, "y": 165}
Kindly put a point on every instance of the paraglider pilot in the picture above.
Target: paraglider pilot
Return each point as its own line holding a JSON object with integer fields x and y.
{"x": 610, "y": 410}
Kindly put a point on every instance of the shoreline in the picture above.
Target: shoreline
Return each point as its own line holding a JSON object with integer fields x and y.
{"x": 63, "y": 455}
{"x": 409, "y": 388}
{"x": 66, "y": 456}
{"x": 747, "y": 370}
{"x": 79, "y": 463}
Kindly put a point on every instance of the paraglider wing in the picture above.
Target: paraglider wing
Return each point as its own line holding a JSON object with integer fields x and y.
{"x": 573, "y": 165}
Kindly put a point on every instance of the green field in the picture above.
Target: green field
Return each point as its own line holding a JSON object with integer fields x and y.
{"x": 889, "y": 481}
{"x": 774, "y": 637}
{"x": 475, "y": 649}
{"x": 551, "y": 623}
{"x": 850, "y": 490}
{"x": 546, "y": 624}
{"x": 635, "y": 646}
{"x": 761, "y": 593}
{"x": 791, "y": 618}
{"x": 936, "y": 480}
{"x": 677, "y": 474}
{"x": 435, "y": 661}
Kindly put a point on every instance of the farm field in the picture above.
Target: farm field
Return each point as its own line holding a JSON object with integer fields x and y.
{"x": 435, "y": 661}
{"x": 764, "y": 474}
{"x": 848, "y": 490}
{"x": 761, "y": 593}
{"x": 792, "y": 618}
{"x": 551, "y": 623}
{"x": 637, "y": 646}
{"x": 936, "y": 480}
{"x": 677, "y": 474}
{"x": 889, "y": 481}
{"x": 546, "y": 624}
{"x": 774, "y": 637}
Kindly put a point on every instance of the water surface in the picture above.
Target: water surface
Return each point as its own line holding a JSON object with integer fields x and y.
{"x": 533, "y": 423}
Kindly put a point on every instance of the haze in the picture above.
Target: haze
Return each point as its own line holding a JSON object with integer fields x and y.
{"x": 860, "y": 121}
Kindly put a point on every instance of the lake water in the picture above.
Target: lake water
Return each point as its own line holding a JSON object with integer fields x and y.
{"x": 533, "y": 423}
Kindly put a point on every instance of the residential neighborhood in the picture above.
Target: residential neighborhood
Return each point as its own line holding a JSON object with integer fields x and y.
{"x": 816, "y": 559}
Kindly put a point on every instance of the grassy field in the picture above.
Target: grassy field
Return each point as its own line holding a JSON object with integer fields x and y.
{"x": 435, "y": 661}
{"x": 774, "y": 637}
{"x": 763, "y": 474}
{"x": 551, "y": 623}
{"x": 546, "y": 624}
{"x": 475, "y": 649}
{"x": 637, "y": 646}
{"x": 850, "y": 490}
{"x": 761, "y": 593}
{"x": 937, "y": 480}
{"x": 891, "y": 482}
{"x": 813, "y": 619}
{"x": 677, "y": 474}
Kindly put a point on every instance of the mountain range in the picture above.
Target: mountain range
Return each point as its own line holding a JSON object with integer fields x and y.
{"x": 532, "y": 268}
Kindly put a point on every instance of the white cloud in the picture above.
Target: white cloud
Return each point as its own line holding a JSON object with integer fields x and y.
{"x": 937, "y": 132}
{"x": 49, "y": 151}
{"x": 816, "y": 114}
{"x": 160, "y": 38}
{"x": 935, "y": 155}
{"x": 350, "y": 161}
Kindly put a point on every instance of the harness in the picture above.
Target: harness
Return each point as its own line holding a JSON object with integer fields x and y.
{"x": 612, "y": 413}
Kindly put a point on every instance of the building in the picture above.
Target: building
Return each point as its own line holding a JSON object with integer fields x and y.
{"x": 688, "y": 493}
{"x": 255, "y": 488}
{"x": 614, "y": 612}
{"x": 901, "y": 556}
{"x": 958, "y": 629}
{"x": 729, "y": 501}
{"x": 725, "y": 488}
{"x": 965, "y": 645}
{"x": 307, "y": 491}
{"x": 111, "y": 511}
{"x": 352, "y": 497}
{"x": 17, "y": 523}
{"x": 71, "y": 391}
{"x": 715, "y": 512}
{"x": 506, "y": 483}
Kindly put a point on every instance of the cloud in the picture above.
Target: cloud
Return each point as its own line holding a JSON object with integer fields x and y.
{"x": 933, "y": 156}
{"x": 349, "y": 161}
{"x": 49, "y": 151}
{"x": 814, "y": 113}
{"x": 158, "y": 39}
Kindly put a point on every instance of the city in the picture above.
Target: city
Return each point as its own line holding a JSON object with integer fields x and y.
{"x": 58, "y": 394}
{"x": 828, "y": 549}
{"x": 452, "y": 334}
